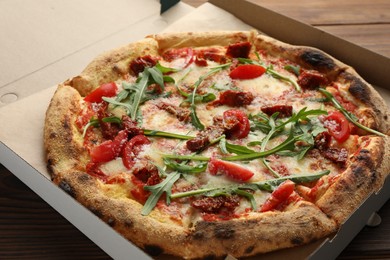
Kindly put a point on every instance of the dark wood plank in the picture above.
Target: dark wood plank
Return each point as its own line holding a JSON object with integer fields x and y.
{"x": 332, "y": 11}
{"x": 375, "y": 37}
{"x": 31, "y": 229}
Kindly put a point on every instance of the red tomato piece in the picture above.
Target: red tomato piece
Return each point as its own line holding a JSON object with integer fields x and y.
{"x": 109, "y": 149}
{"x": 247, "y": 71}
{"x": 232, "y": 170}
{"x": 278, "y": 196}
{"x": 236, "y": 123}
{"x": 105, "y": 90}
{"x": 338, "y": 126}
{"x": 132, "y": 149}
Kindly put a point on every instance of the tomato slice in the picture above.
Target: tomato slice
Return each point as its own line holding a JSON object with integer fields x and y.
{"x": 109, "y": 149}
{"x": 105, "y": 90}
{"x": 232, "y": 170}
{"x": 132, "y": 149}
{"x": 338, "y": 126}
{"x": 236, "y": 123}
{"x": 247, "y": 71}
{"x": 278, "y": 196}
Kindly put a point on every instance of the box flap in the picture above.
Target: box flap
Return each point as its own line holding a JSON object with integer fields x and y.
{"x": 374, "y": 69}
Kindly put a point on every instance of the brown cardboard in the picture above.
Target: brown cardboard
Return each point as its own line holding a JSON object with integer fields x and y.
{"x": 372, "y": 66}
{"x": 21, "y": 148}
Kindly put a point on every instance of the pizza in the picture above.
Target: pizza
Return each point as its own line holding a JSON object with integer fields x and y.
{"x": 211, "y": 144}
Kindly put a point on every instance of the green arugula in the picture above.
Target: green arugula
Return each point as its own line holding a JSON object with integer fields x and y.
{"x": 183, "y": 167}
{"x": 158, "y": 190}
{"x": 134, "y": 94}
{"x": 157, "y": 133}
{"x": 192, "y": 97}
{"x": 95, "y": 122}
{"x": 241, "y": 189}
{"x": 351, "y": 117}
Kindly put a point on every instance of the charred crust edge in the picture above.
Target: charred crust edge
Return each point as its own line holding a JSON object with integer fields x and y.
{"x": 317, "y": 60}
{"x": 153, "y": 250}
{"x": 65, "y": 186}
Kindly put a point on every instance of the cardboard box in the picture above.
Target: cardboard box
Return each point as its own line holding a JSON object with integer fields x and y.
{"x": 23, "y": 153}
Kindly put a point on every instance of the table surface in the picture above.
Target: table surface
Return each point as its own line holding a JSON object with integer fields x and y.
{"x": 31, "y": 229}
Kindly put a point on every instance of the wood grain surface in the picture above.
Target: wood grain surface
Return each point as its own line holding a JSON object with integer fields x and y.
{"x": 31, "y": 229}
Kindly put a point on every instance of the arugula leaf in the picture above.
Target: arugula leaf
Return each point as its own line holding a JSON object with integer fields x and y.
{"x": 157, "y": 133}
{"x": 238, "y": 149}
{"x": 287, "y": 144}
{"x": 294, "y": 69}
{"x": 239, "y": 189}
{"x": 352, "y": 118}
{"x": 157, "y": 190}
{"x": 184, "y": 167}
{"x": 92, "y": 122}
{"x": 247, "y": 195}
{"x": 194, "y": 117}
{"x": 186, "y": 157}
{"x": 134, "y": 94}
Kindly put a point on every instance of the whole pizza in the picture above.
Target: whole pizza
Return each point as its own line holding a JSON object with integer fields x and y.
{"x": 218, "y": 143}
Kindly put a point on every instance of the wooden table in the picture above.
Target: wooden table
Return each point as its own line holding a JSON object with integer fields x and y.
{"x": 31, "y": 229}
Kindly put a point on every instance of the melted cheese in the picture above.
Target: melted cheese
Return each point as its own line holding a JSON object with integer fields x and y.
{"x": 267, "y": 90}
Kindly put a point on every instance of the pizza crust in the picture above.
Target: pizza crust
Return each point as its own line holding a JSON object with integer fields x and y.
{"x": 63, "y": 142}
{"x": 299, "y": 224}
{"x": 365, "y": 175}
{"x": 111, "y": 65}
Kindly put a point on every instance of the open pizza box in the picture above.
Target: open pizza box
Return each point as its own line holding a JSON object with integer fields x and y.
{"x": 21, "y": 127}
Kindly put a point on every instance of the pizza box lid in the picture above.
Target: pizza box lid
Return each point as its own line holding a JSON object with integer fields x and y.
{"x": 16, "y": 150}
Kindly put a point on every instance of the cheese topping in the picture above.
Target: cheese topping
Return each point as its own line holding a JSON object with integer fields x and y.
{"x": 175, "y": 111}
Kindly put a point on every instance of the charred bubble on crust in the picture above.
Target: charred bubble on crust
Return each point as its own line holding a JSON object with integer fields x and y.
{"x": 212, "y": 257}
{"x": 153, "y": 250}
{"x": 96, "y": 212}
{"x": 65, "y": 186}
{"x": 223, "y": 232}
{"x": 50, "y": 167}
{"x": 297, "y": 241}
{"x": 111, "y": 222}
{"x": 365, "y": 158}
{"x": 318, "y": 60}
{"x": 128, "y": 223}
{"x": 358, "y": 89}
{"x": 249, "y": 249}
{"x": 198, "y": 235}
{"x": 53, "y": 135}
